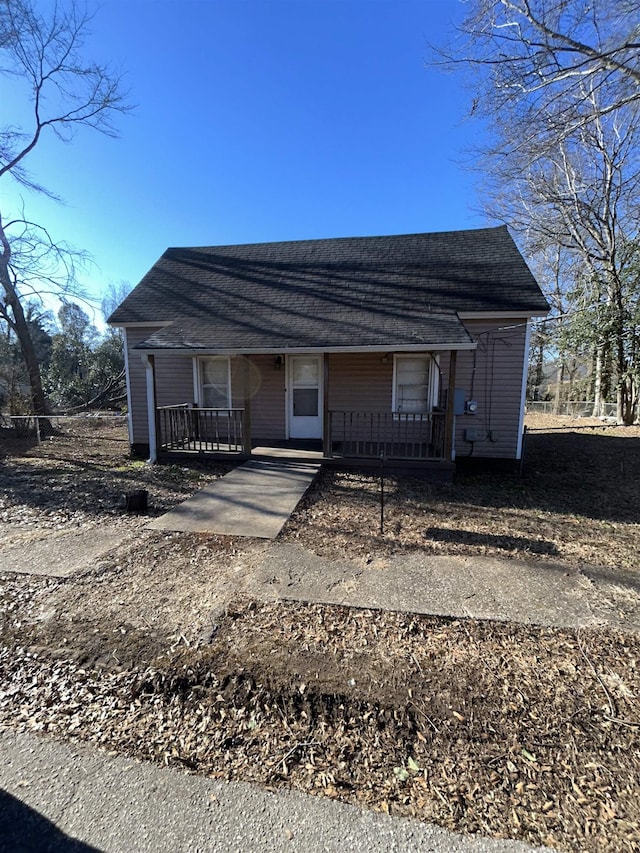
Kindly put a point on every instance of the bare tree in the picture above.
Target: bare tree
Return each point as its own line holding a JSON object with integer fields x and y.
{"x": 581, "y": 198}
{"x": 559, "y": 83}
{"x": 43, "y": 53}
{"x": 537, "y": 56}
{"x": 115, "y": 293}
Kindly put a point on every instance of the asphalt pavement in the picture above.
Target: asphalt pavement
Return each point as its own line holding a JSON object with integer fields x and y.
{"x": 75, "y": 799}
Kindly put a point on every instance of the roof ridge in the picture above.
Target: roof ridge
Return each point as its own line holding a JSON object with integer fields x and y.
{"x": 346, "y": 239}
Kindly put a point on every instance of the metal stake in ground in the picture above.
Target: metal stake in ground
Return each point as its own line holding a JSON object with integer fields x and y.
{"x": 382, "y": 493}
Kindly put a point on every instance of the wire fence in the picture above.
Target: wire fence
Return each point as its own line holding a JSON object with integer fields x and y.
{"x": 38, "y": 428}
{"x": 572, "y": 408}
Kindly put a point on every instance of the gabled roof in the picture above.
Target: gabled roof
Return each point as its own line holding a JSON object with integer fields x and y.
{"x": 403, "y": 290}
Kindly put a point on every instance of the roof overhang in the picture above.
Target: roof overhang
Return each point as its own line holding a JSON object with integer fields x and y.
{"x": 391, "y": 347}
{"x": 148, "y": 324}
{"x": 500, "y": 315}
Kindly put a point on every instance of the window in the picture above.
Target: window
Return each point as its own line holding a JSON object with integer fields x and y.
{"x": 215, "y": 382}
{"x": 415, "y": 384}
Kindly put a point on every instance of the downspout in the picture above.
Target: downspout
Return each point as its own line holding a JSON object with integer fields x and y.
{"x": 151, "y": 409}
{"x": 523, "y": 391}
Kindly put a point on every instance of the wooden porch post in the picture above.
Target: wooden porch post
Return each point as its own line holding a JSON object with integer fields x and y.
{"x": 450, "y": 420}
{"x": 326, "y": 438}
{"x": 246, "y": 422}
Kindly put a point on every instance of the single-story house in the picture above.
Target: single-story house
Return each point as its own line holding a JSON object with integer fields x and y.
{"x": 410, "y": 346}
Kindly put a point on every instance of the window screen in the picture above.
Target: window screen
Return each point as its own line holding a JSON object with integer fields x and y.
{"x": 214, "y": 383}
{"x": 413, "y": 392}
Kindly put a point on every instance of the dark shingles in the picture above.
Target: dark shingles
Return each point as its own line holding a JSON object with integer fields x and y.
{"x": 360, "y": 291}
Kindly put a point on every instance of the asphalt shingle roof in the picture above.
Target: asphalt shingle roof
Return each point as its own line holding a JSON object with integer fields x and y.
{"x": 344, "y": 292}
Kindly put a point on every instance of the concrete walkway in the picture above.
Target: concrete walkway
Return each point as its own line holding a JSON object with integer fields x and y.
{"x": 538, "y": 592}
{"x": 64, "y": 798}
{"x": 53, "y": 553}
{"x": 254, "y": 499}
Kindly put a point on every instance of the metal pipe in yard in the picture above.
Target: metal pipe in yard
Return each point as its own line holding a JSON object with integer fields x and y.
{"x": 382, "y": 493}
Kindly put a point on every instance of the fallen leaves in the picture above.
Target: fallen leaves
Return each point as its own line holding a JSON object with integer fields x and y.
{"x": 502, "y": 729}
{"x": 439, "y": 736}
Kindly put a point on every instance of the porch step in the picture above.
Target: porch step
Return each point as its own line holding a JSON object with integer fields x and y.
{"x": 255, "y": 499}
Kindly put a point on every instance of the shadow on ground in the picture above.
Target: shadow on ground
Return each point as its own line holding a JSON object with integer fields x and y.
{"x": 574, "y": 473}
{"x": 24, "y": 829}
{"x": 505, "y": 543}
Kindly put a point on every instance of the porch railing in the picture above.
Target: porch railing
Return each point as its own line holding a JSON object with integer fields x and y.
{"x": 185, "y": 427}
{"x": 394, "y": 435}
{"x": 348, "y": 434}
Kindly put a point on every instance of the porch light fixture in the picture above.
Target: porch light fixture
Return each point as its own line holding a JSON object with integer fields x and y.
{"x": 385, "y": 358}
{"x": 279, "y": 361}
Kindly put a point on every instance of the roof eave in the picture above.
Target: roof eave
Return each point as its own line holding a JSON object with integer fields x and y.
{"x": 137, "y": 324}
{"x": 391, "y": 347}
{"x": 501, "y": 315}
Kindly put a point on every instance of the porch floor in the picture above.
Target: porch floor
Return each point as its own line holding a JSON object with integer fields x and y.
{"x": 311, "y": 452}
{"x": 255, "y": 499}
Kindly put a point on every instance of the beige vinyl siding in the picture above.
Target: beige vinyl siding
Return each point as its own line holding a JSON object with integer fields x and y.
{"x": 174, "y": 379}
{"x": 138, "y": 383}
{"x": 363, "y": 382}
{"x": 360, "y": 382}
{"x": 357, "y": 382}
{"x": 267, "y": 390}
{"x": 497, "y": 387}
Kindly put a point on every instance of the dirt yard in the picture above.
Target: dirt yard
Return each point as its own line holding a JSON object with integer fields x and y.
{"x": 155, "y": 650}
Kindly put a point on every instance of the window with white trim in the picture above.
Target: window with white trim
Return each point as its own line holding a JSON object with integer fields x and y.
{"x": 215, "y": 382}
{"x": 415, "y": 384}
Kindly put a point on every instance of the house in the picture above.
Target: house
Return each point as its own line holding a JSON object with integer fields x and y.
{"x": 413, "y": 346}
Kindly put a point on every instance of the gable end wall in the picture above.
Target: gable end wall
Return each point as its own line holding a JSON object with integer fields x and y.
{"x": 495, "y": 384}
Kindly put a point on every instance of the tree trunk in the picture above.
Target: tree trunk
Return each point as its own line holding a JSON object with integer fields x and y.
{"x": 625, "y": 402}
{"x": 624, "y": 414}
{"x": 21, "y": 329}
{"x": 539, "y": 372}
{"x": 559, "y": 383}
{"x": 598, "y": 398}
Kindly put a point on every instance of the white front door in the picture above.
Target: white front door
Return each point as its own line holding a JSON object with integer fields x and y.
{"x": 305, "y": 396}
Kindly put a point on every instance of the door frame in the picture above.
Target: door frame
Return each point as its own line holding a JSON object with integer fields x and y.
{"x": 289, "y": 392}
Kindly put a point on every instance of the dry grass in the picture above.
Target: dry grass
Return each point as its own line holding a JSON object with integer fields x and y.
{"x": 576, "y": 503}
{"x": 506, "y": 730}
{"x": 503, "y": 729}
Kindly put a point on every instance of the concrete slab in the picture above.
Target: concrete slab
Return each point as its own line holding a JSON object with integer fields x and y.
{"x": 253, "y": 500}
{"x": 55, "y": 554}
{"x": 530, "y": 592}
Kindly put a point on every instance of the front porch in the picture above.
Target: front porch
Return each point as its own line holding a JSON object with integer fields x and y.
{"x": 349, "y": 436}
{"x": 355, "y": 408}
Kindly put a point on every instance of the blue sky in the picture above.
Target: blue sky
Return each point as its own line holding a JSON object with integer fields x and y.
{"x": 261, "y": 120}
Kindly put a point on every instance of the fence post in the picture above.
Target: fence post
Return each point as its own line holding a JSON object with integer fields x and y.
{"x": 328, "y": 438}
